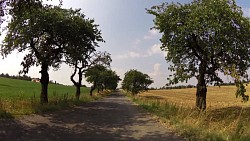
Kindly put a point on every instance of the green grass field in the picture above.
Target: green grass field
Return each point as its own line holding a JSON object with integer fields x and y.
{"x": 19, "y": 97}
{"x": 12, "y": 88}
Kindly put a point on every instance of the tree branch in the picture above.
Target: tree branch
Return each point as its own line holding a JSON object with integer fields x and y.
{"x": 32, "y": 45}
{"x": 73, "y": 75}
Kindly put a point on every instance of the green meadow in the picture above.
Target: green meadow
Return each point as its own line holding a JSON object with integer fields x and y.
{"x": 13, "y": 88}
{"x": 19, "y": 97}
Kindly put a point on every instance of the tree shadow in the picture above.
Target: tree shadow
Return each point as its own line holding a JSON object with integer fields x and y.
{"x": 10, "y": 129}
{"x": 4, "y": 114}
{"x": 112, "y": 118}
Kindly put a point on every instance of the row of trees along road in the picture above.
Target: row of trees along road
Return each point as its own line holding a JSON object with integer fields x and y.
{"x": 50, "y": 35}
{"x": 135, "y": 81}
{"x": 102, "y": 78}
{"x": 83, "y": 62}
{"x": 203, "y": 38}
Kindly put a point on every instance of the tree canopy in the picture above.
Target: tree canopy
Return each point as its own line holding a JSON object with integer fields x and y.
{"x": 135, "y": 81}
{"x": 88, "y": 59}
{"x": 102, "y": 78}
{"x": 203, "y": 38}
{"x": 48, "y": 34}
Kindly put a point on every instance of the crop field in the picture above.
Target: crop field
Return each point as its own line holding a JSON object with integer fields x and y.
{"x": 226, "y": 117}
{"x": 217, "y": 97}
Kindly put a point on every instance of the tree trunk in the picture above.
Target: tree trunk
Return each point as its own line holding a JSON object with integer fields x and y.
{"x": 201, "y": 88}
{"x": 79, "y": 84}
{"x": 102, "y": 88}
{"x": 78, "y": 91}
{"x": 92, "y": 89}
{"x": 44, "y": 83}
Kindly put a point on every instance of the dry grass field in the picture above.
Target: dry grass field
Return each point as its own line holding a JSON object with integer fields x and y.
{"x": 217, "y": 97}
{"x": 226, "y": 117}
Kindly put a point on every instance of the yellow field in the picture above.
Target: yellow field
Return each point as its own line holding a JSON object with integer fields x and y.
{"x": 217, "y": 97}
{"x": 226, "y": 117}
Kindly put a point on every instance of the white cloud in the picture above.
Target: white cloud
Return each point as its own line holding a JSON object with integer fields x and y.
{"x": 136, "y": 42}
{"x": 151, "y": 34}
{"x": 130, "y": 54}
{"x": 246, "y": 12}
{"x": 155, "y": 49}
{"x": 134, "y": 54}
{"x": 156, "y": 72}
{"x": 123, "y": 56}
{"x": 158, "y": 75}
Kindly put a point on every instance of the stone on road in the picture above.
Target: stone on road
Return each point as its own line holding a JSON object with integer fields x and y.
{"x": 114, "y": 118}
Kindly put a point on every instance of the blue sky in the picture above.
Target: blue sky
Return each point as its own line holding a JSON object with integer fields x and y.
{"x": 125, "y": 27}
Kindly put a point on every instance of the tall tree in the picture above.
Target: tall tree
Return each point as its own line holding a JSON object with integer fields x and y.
{"x": 203, "y": 38}
{"x": 83, "y": 62}
{"x": 37, "y": 28}
{"x": 94, "y": 76}
{"x": 135, "y": 81}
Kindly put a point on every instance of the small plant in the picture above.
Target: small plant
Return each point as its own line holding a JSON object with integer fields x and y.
{"x": 241, "y": 90}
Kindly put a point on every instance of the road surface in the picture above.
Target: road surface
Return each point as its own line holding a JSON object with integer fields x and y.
{"x": 114, "y": 118}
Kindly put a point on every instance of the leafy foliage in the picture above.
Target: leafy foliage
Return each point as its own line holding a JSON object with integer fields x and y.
{"x": 202, "y": 39}
{"x": 135, "y": 81}
{"x": 82, "y": 64}
{"x": 48, "y": 34}
{"x": 102, "y": 78}
{"x": 110, "y": 79}
{"x": 240, "y": 92}
{"x": 92, "y": 58}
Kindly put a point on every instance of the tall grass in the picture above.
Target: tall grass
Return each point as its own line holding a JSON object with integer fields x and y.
{"x": 18, "y": 97}
{"x": 10, "y": 108}
{"x": 218, "y": 124}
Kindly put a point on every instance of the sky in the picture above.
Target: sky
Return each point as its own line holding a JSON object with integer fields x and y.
{"x": 126, "y": 29}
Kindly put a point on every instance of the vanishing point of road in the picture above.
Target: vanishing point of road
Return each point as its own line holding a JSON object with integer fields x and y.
{"x": 114, "y": 118}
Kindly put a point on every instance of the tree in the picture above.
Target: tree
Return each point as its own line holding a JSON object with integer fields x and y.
{"x": 6, "y": 5}
{"x": 2, "y": 10}
{"x": 83, "y": 53}
{"x": 109, "y": 79}
{"x": 202, "y": 39}
{"x": 94, "y": 76}
{"x": 83, "y": 62}
{"x": 135, "y": 81}
{"x": 37, "y": 28}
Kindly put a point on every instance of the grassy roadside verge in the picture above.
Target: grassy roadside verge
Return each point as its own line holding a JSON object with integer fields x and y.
{"x": 230, "y": 123}
{"x": 10, "y": 108}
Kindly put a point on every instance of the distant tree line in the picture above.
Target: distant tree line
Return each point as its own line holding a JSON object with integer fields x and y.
{"x": 177, "y": 87}
{"x": 19, "y": 77}
{"x": 26, "y": 78}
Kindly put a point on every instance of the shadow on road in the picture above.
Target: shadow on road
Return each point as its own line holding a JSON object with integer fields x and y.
{"x": 112, "y": 118}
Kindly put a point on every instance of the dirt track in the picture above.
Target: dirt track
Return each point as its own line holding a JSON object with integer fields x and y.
{"x": 109, "y": 119}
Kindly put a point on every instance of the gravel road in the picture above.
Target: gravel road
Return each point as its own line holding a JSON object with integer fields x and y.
{"x": 114, "y": 118}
